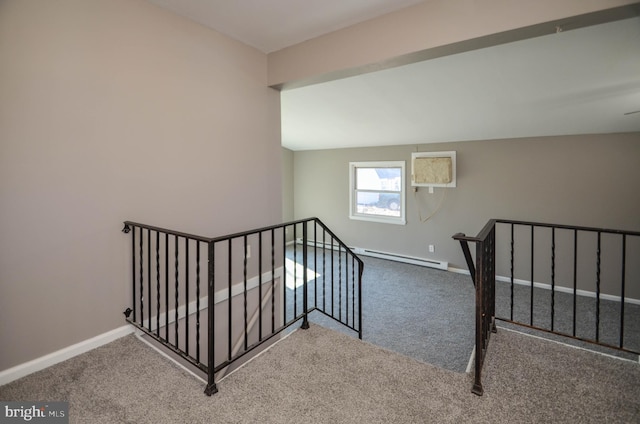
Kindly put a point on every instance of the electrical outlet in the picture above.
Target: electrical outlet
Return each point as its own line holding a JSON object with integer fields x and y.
{"x": 432, "y": 248}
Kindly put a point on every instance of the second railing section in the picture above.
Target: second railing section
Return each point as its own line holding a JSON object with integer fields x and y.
{"x": 214, "y": 301}
{"x": 582, "y": 283}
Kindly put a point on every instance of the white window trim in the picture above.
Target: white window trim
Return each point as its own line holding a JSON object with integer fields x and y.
{"x": 401, "y": 220}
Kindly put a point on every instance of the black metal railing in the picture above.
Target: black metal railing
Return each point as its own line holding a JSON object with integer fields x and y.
{"x": 566, "y": 280}
{"x": 212, "y": 301}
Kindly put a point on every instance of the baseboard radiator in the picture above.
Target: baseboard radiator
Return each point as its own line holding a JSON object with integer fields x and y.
{"x": 431, "y": 263}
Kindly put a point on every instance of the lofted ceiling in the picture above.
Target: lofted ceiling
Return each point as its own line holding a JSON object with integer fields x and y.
{"x": 583, "y": 81}
{"x": 271, "y": 25}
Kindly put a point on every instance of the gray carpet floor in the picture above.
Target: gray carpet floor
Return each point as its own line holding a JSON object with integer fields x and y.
{"x": 323, "y": 376}
{"x": 609, "y": 324}
{"x": 424, "y": 313}
{"x": 418, "y": 332}
{"x": 428, "y": 314}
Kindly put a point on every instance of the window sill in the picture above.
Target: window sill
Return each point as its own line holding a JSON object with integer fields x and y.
{"x": 379, "y": 219}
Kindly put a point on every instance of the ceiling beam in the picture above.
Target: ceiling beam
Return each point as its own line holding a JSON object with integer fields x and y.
{"x": 432, "y": 29}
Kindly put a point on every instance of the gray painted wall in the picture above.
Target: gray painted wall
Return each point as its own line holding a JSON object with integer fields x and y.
{"x": 287, "y": 185}
{"x": 591, "y": 180}
{"x": 114, "y": 110}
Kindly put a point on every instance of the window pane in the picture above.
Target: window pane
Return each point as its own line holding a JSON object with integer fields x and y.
{"x": 377, "y": 191}
{"x": 378, "y": 179}
{"x": 378, "y": 203}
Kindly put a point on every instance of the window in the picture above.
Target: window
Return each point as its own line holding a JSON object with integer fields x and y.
{"x": 377, "y": 191}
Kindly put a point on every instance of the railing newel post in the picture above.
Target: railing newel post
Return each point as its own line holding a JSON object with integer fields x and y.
{"x": 480, "y": 346}
{"x": 483, "y": 276}
{"x": 305, "y": 285}
{"x": 211, "y": 384}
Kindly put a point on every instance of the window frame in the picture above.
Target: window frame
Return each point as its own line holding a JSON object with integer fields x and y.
{"x": 354, "y": 214}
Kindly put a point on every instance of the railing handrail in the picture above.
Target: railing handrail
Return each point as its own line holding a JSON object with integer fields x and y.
{"x": 167, "y": 231}
{"x": 339, "y": 242}
{"x": 484, "y": 232}
{"x": 482, "y": 235}
{"x": 259, "y": 230}
{"x": 245, "y": 233}
{"x": 567, "y": 227}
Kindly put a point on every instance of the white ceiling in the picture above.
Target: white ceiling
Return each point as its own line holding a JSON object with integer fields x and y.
{"x": 574, "y": 82}
{"x": 581, "y": 81}
{"x": 271, "y": 25}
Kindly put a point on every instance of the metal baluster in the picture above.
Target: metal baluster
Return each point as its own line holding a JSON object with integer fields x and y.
{"x": 166, "y": 286}
{"x": 260, "y": 286}
{"x": 158, "y": 283}
{"x": 353, "y": 290}
{"x": 332, "y": 280}
{"x": 229, "y": 303}
{"x": 486, "y": 288}
{"x": 246, "y": 322}
{"x": 532, "y": 280}
{"x": 177, "y": 295}
{"x": 284, "y": 275}
{"x": 273, "y": 284}
{"x": 512, "y": 262}
{"x": 575, "y": 279}
{"x": 305, "y": 286}
{"x": 493, "y": 281}
{"x": 133, "y": 276}
{"x": 149, "y": 277}
{"x": 553, "y": 274}
{"x": 295, "y": 272}
{"x": 622, "y": 288}
{"x": 360, "y": 271}
{"x": 598, "y": 289}
{"x": 186, "y": 295}
{"x": 346, "y": 284}
{"x": 324, "y": 270}
{"x": 198, "y": 301}
{"x": 141, "y": 278}
{"x": 315, "y": 263}
{"x": 339, "y": 283}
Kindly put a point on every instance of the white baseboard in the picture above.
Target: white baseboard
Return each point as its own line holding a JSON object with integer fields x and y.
{"x": 219, "y": 297}
{"x": 152, "y": 345}
{"x": 43, "y": 362}
{"x": 69, "y": 352}
{"x": 595, "y": 352}
{"x": 472, "y": 361}
{"x": 557, "y": 288}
